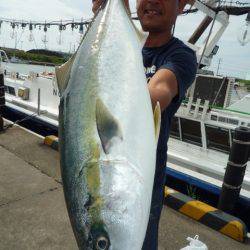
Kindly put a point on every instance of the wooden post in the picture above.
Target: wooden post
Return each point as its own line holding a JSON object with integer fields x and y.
{"x": 200, "y": 30}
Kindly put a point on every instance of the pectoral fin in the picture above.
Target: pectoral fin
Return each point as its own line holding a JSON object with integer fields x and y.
{"x": 108, "y": 127}
{"x": 63, "y": 74}
{"x": 157, "y": 120}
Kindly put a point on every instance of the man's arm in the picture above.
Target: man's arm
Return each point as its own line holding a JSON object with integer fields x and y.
{"x": 170, "y": 82}
{"x": 163, "y": 88}
{"x": 97, "y": 4}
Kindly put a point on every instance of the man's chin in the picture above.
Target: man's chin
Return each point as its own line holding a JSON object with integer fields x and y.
{"x": 150, "y": 28}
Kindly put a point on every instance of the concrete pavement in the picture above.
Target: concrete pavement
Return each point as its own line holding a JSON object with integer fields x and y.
{"x": 32, "y": 208}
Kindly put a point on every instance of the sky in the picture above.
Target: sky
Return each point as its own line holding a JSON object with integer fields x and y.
{"x": 234, "y": 58}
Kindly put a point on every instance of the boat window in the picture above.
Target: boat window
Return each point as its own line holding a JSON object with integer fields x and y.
{"x": 1, "y": 91}
{"x": 217, "y": 138}
{"x": 191, "y": 131}
{"x": 6, "y": 89}
{"x": 214, "y": 117}
{"x": 222, "y": 119}
{"x": 12, "y": 91}
{"x": 174, "y": 129}
{"x": 233, "y": 121}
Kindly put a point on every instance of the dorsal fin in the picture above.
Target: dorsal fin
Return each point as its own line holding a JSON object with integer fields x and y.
{"x": 157, "y": 120}
{"x": 63, "y": 74}
{"x": 108, "y": 127}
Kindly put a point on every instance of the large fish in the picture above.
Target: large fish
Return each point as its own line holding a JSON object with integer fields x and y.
{"x": 107, "y": 134}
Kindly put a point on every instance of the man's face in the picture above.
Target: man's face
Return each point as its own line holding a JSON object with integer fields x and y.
{"x": 157, "y": 15}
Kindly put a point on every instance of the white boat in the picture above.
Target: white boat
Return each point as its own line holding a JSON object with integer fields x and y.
{"x": 33, "y": 95}
{"x": 14, "y": 59}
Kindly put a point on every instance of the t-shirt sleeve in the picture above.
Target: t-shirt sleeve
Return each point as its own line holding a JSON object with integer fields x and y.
{"x": 184, "y": 65}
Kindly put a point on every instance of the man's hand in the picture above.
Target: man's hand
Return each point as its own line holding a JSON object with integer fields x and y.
{"x": 97, "y": 4}
{"x": 163, "y": 87}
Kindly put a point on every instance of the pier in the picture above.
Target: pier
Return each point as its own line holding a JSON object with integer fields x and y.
{"x": 33, "y": 214}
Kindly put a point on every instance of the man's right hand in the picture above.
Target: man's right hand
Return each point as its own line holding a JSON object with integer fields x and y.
{"x": 97, "y": 4}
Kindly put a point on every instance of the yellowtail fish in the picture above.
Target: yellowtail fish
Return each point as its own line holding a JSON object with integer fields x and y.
{"x": 107, "y": 134}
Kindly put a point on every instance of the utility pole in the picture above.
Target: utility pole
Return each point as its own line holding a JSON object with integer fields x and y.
{"x": 218, "y": 67}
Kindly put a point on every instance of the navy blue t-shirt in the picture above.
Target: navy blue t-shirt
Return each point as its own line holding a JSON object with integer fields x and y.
{"x": 181, "y": 60}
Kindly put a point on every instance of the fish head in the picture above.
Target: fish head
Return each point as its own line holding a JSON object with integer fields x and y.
{"x": 98, "y": 237}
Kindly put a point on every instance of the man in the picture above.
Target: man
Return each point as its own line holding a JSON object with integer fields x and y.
{"x": 170, "y": 67}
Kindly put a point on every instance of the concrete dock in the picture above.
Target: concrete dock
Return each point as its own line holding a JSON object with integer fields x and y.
{"x": 32, "y": 208}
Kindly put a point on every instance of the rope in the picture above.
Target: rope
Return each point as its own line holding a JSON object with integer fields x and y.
{"x": 224, "y": 80}
{"x": 26, "y": 118}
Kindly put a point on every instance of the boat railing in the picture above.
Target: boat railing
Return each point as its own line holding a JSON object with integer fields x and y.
{"x": 15, "y": 75}
{"x": 31, "y": 76}
{"x": 195, "y": 109}
{"x": 200, "y": 108}
{"x": 232, "y": 110}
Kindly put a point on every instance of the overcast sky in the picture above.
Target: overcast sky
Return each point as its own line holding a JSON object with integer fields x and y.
{"x": 235, "y": 58}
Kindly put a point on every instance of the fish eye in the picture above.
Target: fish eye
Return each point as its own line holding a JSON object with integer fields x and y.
{"x": 102, "y": 243}
{"x": 98, "y": 237}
